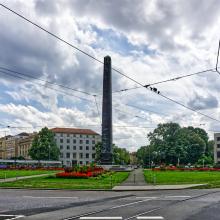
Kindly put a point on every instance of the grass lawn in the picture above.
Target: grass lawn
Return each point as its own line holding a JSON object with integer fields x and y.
{"x": 184, "y": 177}
{"x": 18, "y": 173}
{"x": 51, "y": 182}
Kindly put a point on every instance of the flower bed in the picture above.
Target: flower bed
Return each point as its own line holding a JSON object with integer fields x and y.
{"x": 81, "y": 172}
{"x": 185, "y": 169}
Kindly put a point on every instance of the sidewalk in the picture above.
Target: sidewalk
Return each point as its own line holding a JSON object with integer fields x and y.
{"x": 136, "y": 178}
{"x": 22, "y": 178}
{"x": 154, "y": 187}
{"x": 136, "y": 182}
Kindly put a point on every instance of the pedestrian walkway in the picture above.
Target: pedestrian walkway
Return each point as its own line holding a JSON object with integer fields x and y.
{"x": 13, "y": 179}
{"x": 155, "y": 187}
{"x": 136, "y": 178}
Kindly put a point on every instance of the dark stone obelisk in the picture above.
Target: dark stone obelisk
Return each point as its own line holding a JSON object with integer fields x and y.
{"x": 106, "y": 152}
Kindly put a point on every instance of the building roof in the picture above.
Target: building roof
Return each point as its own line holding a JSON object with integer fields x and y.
{"x": 74, "y": 131}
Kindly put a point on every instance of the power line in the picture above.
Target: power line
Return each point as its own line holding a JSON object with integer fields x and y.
{"x": 92, "y": 57}
{"x": 56, "y": 84}
{"x": 216, "y": 67}
{"x": 146, "y": 110}
{"x": 97, "y": 108}
{"x": 163, "y": 81}
{"x": 61, "y": 91}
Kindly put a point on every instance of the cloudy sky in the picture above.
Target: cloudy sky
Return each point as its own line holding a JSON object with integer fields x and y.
{"x": 148, "y": 40}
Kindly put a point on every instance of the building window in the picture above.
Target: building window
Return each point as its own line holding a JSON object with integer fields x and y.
{"x": 61, "y": 147}
{"x": 80, "y": 162}
{"x": 61, "y": 155}
{"x": 93, "y": 148}
{"x": 68, "y": 141}
{"x": 93, "y": 136}
{"x": 74, "y": 147}
{"x": 61, "y": 135}
{"x": 67, "y": 147}
{"x": 218, "y": 138}
{"x": 81, "y": 136}
{"x": 81, "y": 141}
{"x": 87, "y": 147}
{"x": 67, "y": 155}
{"x": 218, "y": 145}
{"x": 81, "y": 155}
{"x": 74, "y": 155}
{"x": 74, "y": 141}
{"x": 93, "y": 142}
{"x": 93, "y": 156}
{"x": 61, "y": 140}
{"x": 80, "y": 148}
{"x": 87, "y": 141}
{"x": 87, "y": 155}
{"x": 218, "y": 154}
{"x": 87, "y": 136}
{"x": 74, "y": 135}
{"x": 68, "y": 135}
{"x": 87, "y": 162}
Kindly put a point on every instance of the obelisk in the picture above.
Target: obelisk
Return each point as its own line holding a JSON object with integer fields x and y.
{"x": 106, "y": 152}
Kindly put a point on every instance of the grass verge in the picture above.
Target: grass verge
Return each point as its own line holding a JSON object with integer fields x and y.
{"x": 18, "y": 173}
{"x": 51, "y": 182}
{"x": 212, "y": 178}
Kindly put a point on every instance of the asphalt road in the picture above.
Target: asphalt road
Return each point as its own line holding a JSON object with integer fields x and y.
{"x": 57, "y": 204}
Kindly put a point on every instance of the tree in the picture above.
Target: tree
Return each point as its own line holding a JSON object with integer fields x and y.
{"x": 171, "y": 144}
{"x": 98, "y": 150}
{"x": 120, "y": 155}
{"x": 44, "y": 146}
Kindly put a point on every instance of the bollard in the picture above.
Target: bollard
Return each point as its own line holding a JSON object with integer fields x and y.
{"x": 134, "y": 178}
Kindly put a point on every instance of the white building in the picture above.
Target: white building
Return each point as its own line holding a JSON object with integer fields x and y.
{"x": 77, "y": 146}
{"x": 217, "y": 147}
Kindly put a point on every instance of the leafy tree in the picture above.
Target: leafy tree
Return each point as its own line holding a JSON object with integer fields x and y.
{"x": 44, "y": 146}
{"x": 171, "y": 144}
{"x": 98, "y": 151}
{"x": 120, "y": 155}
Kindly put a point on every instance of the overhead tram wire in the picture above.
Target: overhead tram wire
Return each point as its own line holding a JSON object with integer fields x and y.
{"x": 92, "y": 57}
{"x": 216, "y": 67}
{"x": 164, "y": 81}
{"x": 49, "y": 82}
{"x": 58, "y": 90}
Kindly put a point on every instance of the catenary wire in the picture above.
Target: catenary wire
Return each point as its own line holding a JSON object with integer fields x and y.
{"x": 92, "y": 57}
{"x": 49, "y": 82}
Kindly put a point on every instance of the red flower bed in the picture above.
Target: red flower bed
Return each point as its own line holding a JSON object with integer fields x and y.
{"x": 90, "y": 172}
{"x": 185, "y": 169}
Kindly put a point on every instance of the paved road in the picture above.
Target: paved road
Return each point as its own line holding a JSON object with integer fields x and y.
{"x": 57, "y": 204}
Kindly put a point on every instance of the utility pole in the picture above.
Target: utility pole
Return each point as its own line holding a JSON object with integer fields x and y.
{"x": 106, "y": 151}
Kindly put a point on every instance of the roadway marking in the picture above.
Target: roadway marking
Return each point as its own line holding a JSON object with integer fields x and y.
{"x": 12, "y": 217}
{"x": 177, "y": 196}
{"x": 150, "y": 217}
{"x": 50, "y": 197}
{"x": 96, "y": 218}
{"x": 128, "y": 204}
{"x": 147, "y": 197}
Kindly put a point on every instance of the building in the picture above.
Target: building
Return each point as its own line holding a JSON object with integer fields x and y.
{"x": 217, "y": 148}
{"x": 77, "y": 146}
{"x": 23, "y": 146}
{"x": 9, "y": 145}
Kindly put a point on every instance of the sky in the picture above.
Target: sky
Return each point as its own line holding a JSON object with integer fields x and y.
{"x": 148, "y": 40}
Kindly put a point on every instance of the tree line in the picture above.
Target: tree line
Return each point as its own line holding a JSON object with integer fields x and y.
{"x": 172, "y": 144}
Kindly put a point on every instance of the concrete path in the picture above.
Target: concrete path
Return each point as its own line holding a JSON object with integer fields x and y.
{"x": 22, "y": 178}
{"x": 154, "y": 187}
{"x": 136, "y": 178}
